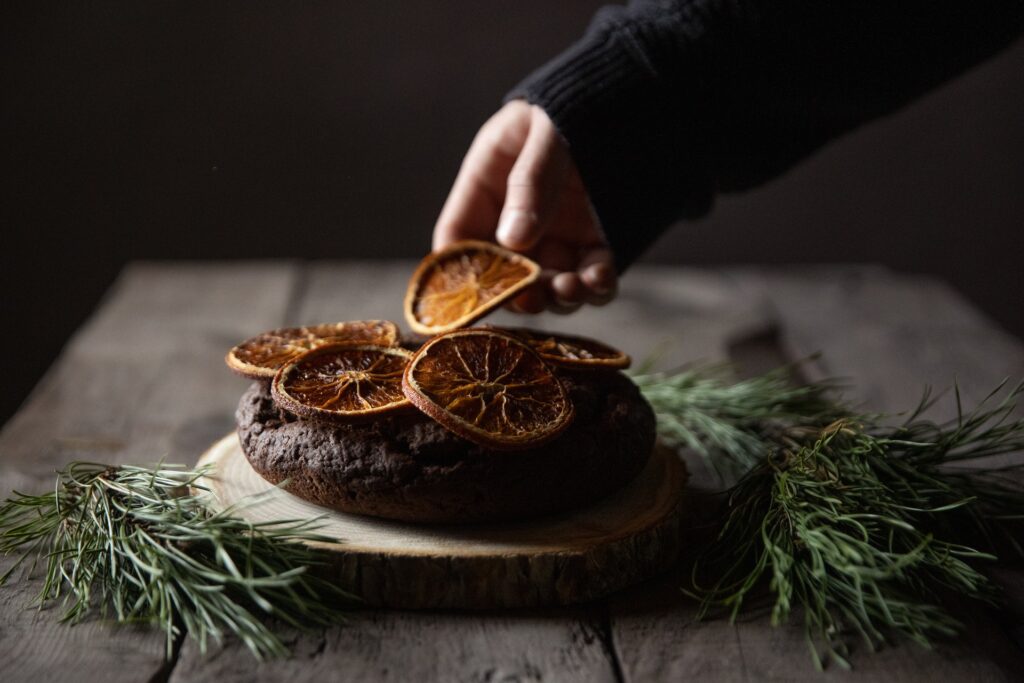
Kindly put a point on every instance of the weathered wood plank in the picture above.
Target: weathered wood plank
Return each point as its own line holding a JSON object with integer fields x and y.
{"x": 891, "y": 336}
{"x": 424, "y": 646}
{"x": 888, "y": 334}
{"x": 144, "y": 379}
{"x": 36, "y": 646}
{"x": 657, "y": 638}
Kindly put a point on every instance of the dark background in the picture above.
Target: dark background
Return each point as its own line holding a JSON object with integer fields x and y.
{"x": 171, "y": 129}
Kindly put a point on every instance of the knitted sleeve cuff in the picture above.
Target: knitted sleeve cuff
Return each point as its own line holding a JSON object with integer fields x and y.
{"x": 633, "y": 136}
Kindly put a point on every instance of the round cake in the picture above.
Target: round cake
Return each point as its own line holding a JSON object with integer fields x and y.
{"x": 406, "y": 466}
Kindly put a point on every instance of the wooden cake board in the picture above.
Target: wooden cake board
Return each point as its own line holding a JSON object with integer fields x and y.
{"x": 572, "y": 557}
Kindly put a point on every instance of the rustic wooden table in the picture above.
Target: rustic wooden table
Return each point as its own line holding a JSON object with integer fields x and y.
{"x": 144, "y": 379}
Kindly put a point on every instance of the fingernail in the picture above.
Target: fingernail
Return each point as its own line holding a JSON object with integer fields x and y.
{"x": 515, "y": 228}
{"x": 598, "y": 277}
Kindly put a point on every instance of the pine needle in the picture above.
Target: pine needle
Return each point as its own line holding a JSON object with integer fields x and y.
{"x": 704, "y": 408}
{"x": 141, "y": 545}
{"x": 865, "y": 528}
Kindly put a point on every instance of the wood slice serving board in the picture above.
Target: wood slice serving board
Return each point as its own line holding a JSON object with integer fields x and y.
{"x": 573, "y": 557}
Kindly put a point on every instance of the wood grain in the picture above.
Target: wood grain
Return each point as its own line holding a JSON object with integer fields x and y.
{"x": 574, "y": 557}
{"x": 142, "y": 380}
{"x": 394, "y": 646}
{"x": 887, "y": 335}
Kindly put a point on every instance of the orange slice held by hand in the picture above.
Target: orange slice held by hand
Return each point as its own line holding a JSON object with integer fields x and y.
{"x": 263, "y": 355}
{"x": 571, "y": 351}
{"x": 458, "y": 285}
{"x": 489, "y": 388}
{"x": 342, "y": 382}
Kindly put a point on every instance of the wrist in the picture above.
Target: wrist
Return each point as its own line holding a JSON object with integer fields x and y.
{"x": 633, "y": 138}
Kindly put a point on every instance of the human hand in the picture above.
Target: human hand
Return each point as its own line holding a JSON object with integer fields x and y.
{"x": 518, "y": 186}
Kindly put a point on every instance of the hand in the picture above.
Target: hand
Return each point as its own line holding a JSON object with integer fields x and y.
{"x": 519, "y": 186}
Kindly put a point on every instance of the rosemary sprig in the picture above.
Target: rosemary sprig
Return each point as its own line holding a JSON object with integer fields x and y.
{"x": 704, "y": 408}
{"x": 143, "y": 545}
{"x": 867, "y": 528}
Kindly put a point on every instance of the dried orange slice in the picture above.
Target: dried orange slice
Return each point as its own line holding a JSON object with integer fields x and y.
{"x": 455, "y": 286}
{"x": 571, "y": 351}
{"x": 342, "y": 382}
{"x": 488, "y": 387}
{"x": 263, "y": 355}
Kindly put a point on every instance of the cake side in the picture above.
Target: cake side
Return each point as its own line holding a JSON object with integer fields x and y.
{"x": 405, "y": 466}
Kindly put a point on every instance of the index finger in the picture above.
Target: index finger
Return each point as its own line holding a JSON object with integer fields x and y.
{"x": 478, "y": 194}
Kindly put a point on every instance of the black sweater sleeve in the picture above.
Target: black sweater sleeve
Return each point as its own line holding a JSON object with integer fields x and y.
{"x": 665, "y": 103}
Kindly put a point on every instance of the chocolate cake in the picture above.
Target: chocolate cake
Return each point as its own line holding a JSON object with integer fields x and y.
{"x": 406, "y": 466}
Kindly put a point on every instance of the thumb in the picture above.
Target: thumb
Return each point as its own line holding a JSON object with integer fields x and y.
{"x": 534, "y": 185}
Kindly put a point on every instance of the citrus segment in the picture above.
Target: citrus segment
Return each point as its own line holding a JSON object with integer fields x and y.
{"x": 489, "y": 388}
{"x": 453, "y": 287}
{"x": 263, "y": 355}
{"x": 342, "y": 382}
{"x": 572, "y": 351}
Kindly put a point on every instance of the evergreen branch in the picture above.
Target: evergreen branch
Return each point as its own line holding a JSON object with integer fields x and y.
{"x": 704, "y": 408}
{"x": 866, "y": 528}
{"x": 143, "y": 545}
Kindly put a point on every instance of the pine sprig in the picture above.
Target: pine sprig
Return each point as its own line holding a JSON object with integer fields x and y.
{"x": 866, "y": 528}
{"x": 142, "y": 545}
{"x": 725, "y": 420}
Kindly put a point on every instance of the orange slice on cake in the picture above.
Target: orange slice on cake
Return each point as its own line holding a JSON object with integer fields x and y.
{"x": 458, "y": 285}
{"x": 488, "y": 387}
{"x": 570, "y": 350}
{"x": 342, "y": 382}
{"x": 263, "y": 355}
